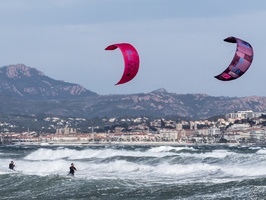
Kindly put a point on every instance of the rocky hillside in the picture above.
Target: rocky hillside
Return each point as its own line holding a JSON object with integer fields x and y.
{"x": 27, "y": 91}
{"x": 160, "y": 103}
{"x": 23, "y": 82}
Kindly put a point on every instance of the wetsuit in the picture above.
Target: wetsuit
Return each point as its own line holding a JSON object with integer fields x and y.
{"x": 11, "y": 166}
{"x": 72, "y": 170}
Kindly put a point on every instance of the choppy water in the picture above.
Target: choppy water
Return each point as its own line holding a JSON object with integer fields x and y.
{"x": 134, "y": 172}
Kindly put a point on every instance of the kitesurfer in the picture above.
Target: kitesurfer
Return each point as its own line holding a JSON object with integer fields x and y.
{"x": 72, "y": 169}
{"x": 11, "y": 165}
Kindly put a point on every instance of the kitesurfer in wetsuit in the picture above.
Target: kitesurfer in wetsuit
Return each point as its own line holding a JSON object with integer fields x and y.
{"x": 72, "y": 169}
{"x": 11, "y": 165}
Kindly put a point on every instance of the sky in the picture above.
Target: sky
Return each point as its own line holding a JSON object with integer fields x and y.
{"x": 180, "y": 43}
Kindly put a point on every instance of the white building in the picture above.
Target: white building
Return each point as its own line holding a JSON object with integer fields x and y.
{"x": 243, "y": 114}
{"x": 66, "y": 130}
{"x": 169, "y": 134}
{"x": 213, "y": 131}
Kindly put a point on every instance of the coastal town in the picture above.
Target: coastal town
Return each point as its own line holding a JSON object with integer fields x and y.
{"x": 240, "y": 127}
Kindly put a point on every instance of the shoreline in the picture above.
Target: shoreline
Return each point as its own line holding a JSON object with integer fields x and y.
{"x": 72, "y": 143}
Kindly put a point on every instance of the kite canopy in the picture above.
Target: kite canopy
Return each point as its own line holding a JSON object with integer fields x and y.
{"x": 241, "y": 61}
{"x": 131, "y": 59}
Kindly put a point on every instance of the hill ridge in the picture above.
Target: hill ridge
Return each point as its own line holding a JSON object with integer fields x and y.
{"x": 27, "y": 91}
{"x": 23, "y": 82}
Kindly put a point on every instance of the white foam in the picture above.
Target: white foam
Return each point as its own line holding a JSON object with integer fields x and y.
{"x": 45, "y": 162}
{"x": 169, "y": 148}
{"x": 261, "y": 151}
{"x": 48, "y": 154}
{"x": 214, "y": 154}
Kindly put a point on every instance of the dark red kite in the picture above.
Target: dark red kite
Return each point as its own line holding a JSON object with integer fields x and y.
{"x": 241, "y": 61}
{"x": 131, "y": 59}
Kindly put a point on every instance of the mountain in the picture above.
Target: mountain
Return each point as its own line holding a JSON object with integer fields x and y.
{"x": 22, "y": 82}
{"x": 27, "y": 91}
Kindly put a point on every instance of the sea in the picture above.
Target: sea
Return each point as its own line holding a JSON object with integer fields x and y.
{"x": 132, "y": 172}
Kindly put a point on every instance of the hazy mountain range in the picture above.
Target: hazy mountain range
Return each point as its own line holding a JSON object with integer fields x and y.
{"x": 27, "y": 91}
